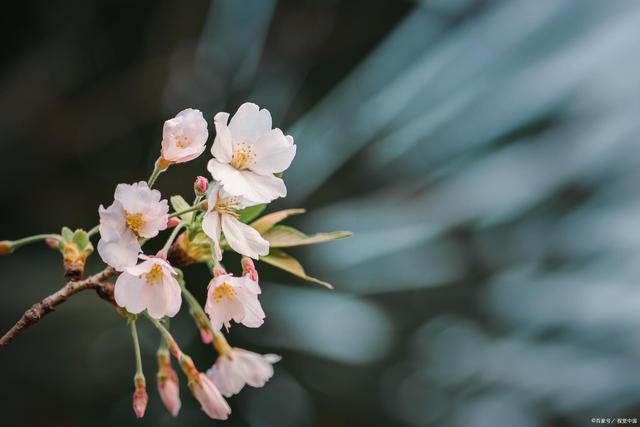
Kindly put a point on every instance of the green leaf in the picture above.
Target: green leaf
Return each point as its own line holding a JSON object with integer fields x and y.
{"x": 282, "y": 236}
{"x": 67, "y": 234}
{"x": 179, "y": 204}
{"x": 81, "y": 239}
{"x": 250, "y": 213}
{"x": 266, "y": 222}
{"x": 286, "y": 262}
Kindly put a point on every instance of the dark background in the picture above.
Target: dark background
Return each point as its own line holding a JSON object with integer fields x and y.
{"x": 483, "y": 152}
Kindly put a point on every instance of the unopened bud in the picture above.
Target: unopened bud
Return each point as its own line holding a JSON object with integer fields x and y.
{"x": 249, "y": 268}
{"x": 205, "y": 336}
{"x": 6, "y": 247}
{"x": 172, "y": 222}
{"x": 200, "y": 186}
{"x": 53, "y": 244}
{"x": 168, "y": 386}
{"x": 140, "y": 397}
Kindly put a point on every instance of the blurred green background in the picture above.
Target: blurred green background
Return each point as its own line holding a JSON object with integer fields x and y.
{"x": 485, "y": 154}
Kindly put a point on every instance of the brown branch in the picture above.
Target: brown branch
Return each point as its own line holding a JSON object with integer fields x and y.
{"x": 49, "y": 304}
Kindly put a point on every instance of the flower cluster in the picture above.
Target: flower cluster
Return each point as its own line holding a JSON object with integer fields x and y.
{"x": 248, "y": 159}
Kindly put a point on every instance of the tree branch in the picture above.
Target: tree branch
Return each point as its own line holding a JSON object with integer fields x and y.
{"x": 49, "y": 304}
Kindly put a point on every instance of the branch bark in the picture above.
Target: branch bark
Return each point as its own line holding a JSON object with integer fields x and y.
{"x": 49, "y": 304}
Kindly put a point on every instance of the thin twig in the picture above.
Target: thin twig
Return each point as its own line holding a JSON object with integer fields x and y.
{"x": 49, "y": 304}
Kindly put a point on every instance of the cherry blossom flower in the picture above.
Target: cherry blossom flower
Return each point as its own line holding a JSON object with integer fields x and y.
{"x": 136, "y": 211}
{"x": 150, "y": 285}
{"x": 212, "y": 402}
{"x": 233, "y": 298}
{"x": 239, "y": 367}
{"x": 248, "y": 152}
{"x": 184, "y": 137}
{"x": 222, "y": 216}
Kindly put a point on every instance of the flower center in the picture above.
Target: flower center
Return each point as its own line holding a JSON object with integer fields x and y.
{"x": 223, "y": 291}
{"x": 243, "y": 155}
{"x": 134, "y": 221}
{"x": 182, "y": 141}
{"x": 154, "y": 276}
{"x": 228, "y": 206}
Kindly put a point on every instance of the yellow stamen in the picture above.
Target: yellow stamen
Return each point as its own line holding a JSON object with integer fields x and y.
{"x": 184, "y": 142}
{"x": 243, "y": 155}
{"x": 134, "y": 221}
{"x": 154, "y": 276}
{"x": 223, "y": 291}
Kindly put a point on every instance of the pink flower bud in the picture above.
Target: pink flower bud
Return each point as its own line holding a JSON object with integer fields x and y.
{"x": 168, "y": 386}
{"x": 200, "y": 186}
{"x": 249, "y": 268}
{"x": 205, "y": 336}
{"x": 219, "y": 271}
{"x": 140, "y": 397}
{"x": 52, "y": 243}
{"x": 172, "y": 222}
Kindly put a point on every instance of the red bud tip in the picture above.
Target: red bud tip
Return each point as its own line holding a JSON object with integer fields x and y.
{"x": 140, "y": 397}
{"x": 173, "y": 222}
{"x": 200, "y": 186}
{"x": 205, "y": 336}
{"x": 249, "y": 268}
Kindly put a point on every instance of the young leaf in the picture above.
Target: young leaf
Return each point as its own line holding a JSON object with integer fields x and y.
{"x": 67, "y": 234}
{"x": 251, "y": 213}
{"x": 282, "y": 236}
{"x": 266, "y": 222}
{"x": 81, "y": 239}
{"x": 179, "y": 204}
{"x": 286, "y": 262}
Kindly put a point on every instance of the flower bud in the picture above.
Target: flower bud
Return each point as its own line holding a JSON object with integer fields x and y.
{"x": 249, "y": 268}
{"x": 6, "y": 247}
{"x": 205, "y": 336}
{"x": 212, "y": 402}
{"x": 140, "y": 397}
{"x": 172, "y": 222}
{"x": 168, "y": 386}
{"x": 200, "y": 186}
{"x": 53, "y": 244}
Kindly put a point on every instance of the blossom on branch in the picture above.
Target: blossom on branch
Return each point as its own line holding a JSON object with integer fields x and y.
{"x": 150, "y": 285}
{"x": 239, "y": 367}
{"x": 233, "y": 298}
{"x": 222, "y": 217}
{"x": 136, "y": 211}
{"x": 184, "y": 137}
{"x": 248, "y": 152}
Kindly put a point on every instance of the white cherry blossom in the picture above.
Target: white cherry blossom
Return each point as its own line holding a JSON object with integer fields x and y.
{"x": 137, "y": 211}
{"x": 233, "y": 298}
{"x": 248, "y": 152}
{"x": 150, "y": 285}
{"x": 184, "y": 137}
{"x": 239, "y": 367}
{"x": 222, "y": 217}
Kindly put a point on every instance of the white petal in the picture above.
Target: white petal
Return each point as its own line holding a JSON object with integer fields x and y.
{"x": 257, "y": 368}
{"x": 129, "y": 293}
{"x": 249, "y": 123}
{"x": 274, "y": 153}
{"x": 222, "y": 144}
{"x": 155, "y": 217}
{"x": 211, "y": 227}
{"x": 112, "y": 222}
{"x": 253, "y": 314}
{"x": 257, "y": 188}
{"x": 243, "y": 238}
{"x": 120, "y": 253}
{"x": 224, "y": 376}
{"x": 135, "y": 197}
